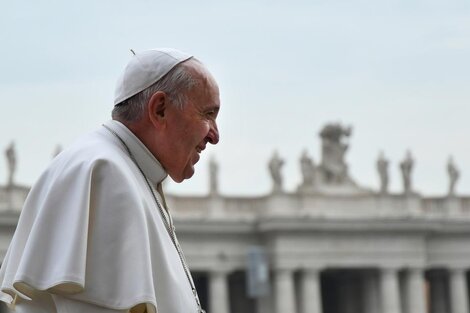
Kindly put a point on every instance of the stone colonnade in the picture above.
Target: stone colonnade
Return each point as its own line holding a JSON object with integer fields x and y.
{"x": 389, "y": 290}
{"x": 219, "y": 294}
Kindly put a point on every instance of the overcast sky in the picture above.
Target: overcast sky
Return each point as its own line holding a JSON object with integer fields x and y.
{"x": 397, "y": 71}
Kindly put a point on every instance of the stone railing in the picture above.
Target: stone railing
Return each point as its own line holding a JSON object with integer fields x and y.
{"x": 12, "y": 198}
{"x": 340, "y": 206}
{"x": 292, "y": 205}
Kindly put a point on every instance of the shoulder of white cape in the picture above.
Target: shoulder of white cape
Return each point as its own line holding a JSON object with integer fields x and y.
{"x": 50, "y": 249}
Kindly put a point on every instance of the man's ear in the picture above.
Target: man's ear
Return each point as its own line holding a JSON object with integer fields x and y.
{"x": 157, "y": 106}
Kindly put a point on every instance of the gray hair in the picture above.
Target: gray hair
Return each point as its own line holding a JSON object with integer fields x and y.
{"x": 176, "y": 83}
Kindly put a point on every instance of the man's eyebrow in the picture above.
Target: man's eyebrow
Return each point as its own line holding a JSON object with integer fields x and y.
{"x": 214, "y": 107}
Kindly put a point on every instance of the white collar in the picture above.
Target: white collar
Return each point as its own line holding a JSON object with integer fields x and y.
{"x": 145, "y": 159}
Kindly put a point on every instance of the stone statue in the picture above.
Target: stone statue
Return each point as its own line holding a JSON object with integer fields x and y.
{"x": 382, "y": 169}
{"x": 213, "y": 177}
{"x": 454, "y": 175}
{"x": 406, "y": 167}
{"x": 333, "y": 167}
{"x": 307, "y": 168}
{"x": 275, "y": 165}
{"x": 11, "y": 161}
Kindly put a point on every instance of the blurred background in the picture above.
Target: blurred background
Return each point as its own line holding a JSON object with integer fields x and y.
{"x": 397, "y": 71}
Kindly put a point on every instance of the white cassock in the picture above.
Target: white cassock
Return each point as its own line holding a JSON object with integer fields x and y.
{"x": 90, "y": 237}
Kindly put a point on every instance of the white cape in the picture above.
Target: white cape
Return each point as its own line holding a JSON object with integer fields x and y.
{"x": 90, "y": 230}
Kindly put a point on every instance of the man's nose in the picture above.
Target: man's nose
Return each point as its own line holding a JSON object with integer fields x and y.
{"x": 213, "y": 135}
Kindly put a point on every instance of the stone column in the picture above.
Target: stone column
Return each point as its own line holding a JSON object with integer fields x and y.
{"x": 415, "y": 291}
{"x": 218, "y": 288}
{"x": 284, "y": 291}
{"x": 390, "y": 291}
{"x": 458, "y": 291}
{"x": 311, "y": 291}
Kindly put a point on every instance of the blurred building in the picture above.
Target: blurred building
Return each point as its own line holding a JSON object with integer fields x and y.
{"x": 331, "y": 246}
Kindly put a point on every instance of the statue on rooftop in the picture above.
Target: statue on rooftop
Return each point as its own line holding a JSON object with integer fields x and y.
{"x": 382, "y": 169}
{"x": 333, "y": 167}
{"x": 213, "y": 177}
{"x": 454, "y": 175}
{"x": 275, "y": 165}
{"x": 307, "y": 168}
{"x": 406, "y": 167}
{"x": 10, "y": 154}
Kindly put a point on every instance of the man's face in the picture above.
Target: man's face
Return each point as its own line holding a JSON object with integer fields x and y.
{"x": 191, "y": 128}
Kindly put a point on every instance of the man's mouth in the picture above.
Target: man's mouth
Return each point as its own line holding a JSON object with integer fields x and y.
{"x": 200, "y": 148}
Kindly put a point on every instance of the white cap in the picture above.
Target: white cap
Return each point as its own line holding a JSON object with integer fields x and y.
{"x": 146, "y": 68}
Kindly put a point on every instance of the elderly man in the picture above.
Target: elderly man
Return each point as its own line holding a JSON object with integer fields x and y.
{"x": 95, "y": 234}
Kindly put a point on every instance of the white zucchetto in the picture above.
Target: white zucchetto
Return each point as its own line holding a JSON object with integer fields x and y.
{"x": 146, "y": 68}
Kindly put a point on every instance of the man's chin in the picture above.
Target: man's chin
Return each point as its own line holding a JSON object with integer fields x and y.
{"x": 188, "y": 172}
{"x": 189, "y": 175}
{"x": 179, "y": 177}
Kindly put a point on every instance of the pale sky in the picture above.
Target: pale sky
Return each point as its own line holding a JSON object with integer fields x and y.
{"x": 397, "y": 71}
